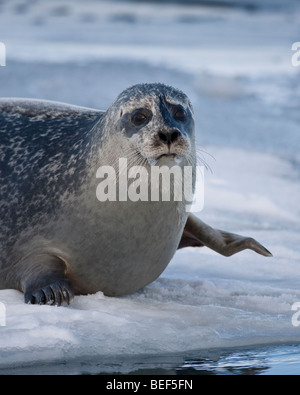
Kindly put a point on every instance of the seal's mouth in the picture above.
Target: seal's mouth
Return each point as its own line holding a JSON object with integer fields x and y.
{"x": 168, "y": 157}
{"x": 172, "y": 156}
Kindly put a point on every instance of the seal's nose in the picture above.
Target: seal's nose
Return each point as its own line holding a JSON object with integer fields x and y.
{"x": 169, "y": 137}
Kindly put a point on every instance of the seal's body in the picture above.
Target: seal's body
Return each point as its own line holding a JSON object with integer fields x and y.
{"x": 56, "y": 236}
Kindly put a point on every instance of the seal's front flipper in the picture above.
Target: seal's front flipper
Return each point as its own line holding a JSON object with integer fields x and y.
{"x": 54, "y": 294}
{"x": 197, "y": 233}
{"x": 43, "y": 280}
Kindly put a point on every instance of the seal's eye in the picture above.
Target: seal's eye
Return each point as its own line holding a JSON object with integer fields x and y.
{"x": 179, "y": 114}
{"x": 139, "y": 119}
{"x": 141, "y": 116}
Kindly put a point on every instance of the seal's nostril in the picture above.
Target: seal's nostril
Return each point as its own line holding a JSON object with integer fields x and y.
{"x": 175, "y": 135}
{"x": 163, "y": 136}
{"x": 169, "y": 137}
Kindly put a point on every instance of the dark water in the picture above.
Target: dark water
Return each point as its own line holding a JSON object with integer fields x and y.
{"x": 271, "y": 360}
{"x": 276, "y": 360}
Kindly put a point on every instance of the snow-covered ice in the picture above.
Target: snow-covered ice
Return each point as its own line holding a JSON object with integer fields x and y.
{"x": 236, "y": 67}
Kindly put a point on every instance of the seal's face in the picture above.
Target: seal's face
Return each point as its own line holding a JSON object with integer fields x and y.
{"x": 158, "y": 123}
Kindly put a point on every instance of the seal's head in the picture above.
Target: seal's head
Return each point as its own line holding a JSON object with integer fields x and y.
{"x": 157, "y": 122}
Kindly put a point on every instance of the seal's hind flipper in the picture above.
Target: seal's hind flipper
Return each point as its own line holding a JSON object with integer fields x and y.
{"x": 197, "y": 233}
{"x": 235, "y": 243}
{"x": 189, "y": 240}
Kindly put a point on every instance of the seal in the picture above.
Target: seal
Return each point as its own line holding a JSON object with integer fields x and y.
{"x": 57, "y": 239}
